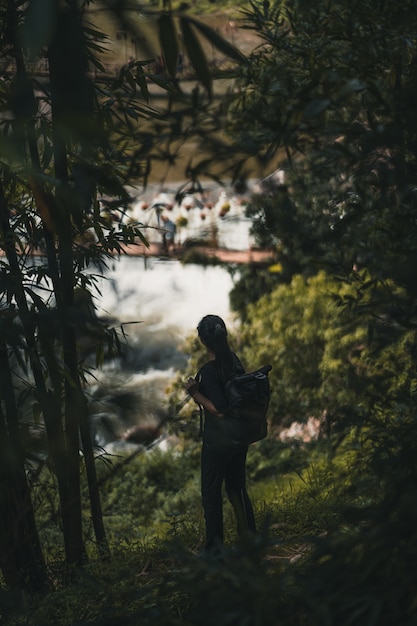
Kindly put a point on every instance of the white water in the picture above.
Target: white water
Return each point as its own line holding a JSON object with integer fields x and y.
{"x": 163, "y": 294}
{"x": 168, "y": 300}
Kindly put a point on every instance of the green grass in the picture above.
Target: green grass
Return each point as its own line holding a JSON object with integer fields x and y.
{"x": 154, "y": 521}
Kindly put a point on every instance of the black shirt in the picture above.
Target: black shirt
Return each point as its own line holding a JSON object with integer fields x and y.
{"x": 219, "y": 431}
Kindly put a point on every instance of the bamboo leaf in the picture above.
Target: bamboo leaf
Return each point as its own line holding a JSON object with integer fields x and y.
{"x": 219, "y": 42}
{"x": 169, "y": 42}
{"x": 196, "y": 54}
{"x": 316, "y": 107}
{"x": 142, "y": 83}
{"x": 166, "y": 84}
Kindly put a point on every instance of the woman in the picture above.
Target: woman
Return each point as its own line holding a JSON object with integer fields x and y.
{"x": 221, "y": 458}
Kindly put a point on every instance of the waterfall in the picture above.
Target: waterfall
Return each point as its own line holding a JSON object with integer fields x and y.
{"x": 159, "y": 304}
{"x": 163, "y": 293}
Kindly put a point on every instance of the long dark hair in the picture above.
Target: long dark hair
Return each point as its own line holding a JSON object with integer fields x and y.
{"x": 213, "y": 334}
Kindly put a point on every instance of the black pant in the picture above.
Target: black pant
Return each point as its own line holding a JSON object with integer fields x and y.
{"x": 228, "y": 465}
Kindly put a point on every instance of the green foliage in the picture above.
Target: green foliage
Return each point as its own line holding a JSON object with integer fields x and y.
{"x": 339, "y": 101}
{"x": 155, "y": 575}
{"x": 166, "y": 485}
{"x": 153, "y": 511}
{"x": 292, "y": 330}
{"x": 271, "y": 458}
{"x": 330, "y": 355}
{"x": 253, "y": 281}
{"x": 276, "y": 225}
{"x": 376, "y": 577}
{"x": 362, "y": 498}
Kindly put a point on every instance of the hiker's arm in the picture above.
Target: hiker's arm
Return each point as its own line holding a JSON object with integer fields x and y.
{"x": 192, "y": 387}
{"x": 206, "y": 404}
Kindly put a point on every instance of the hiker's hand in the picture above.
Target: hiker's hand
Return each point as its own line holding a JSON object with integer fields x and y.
{"x": 191, "y": 386}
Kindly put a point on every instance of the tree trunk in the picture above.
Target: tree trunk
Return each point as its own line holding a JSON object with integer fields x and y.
{"x": 50, "y": 411}
{"x": 93, "y": 486}
{"x": 21, "y": 556}
{"x": 72, "y": 511}
{"x": 68, "y": 66}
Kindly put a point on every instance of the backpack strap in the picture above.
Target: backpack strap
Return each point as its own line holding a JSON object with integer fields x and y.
{"x": 200, "y": 408}
{"x": 200, "y": 434}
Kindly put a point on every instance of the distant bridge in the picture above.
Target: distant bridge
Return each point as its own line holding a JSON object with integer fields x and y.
{"x": 224, "y": 255}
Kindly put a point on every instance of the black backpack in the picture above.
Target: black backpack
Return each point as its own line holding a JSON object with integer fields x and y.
{"x": 248, "y": 396}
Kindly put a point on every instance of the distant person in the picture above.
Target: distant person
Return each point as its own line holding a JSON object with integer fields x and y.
{"x": 169, "y": 230}
{"x": 221, "y": 459}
